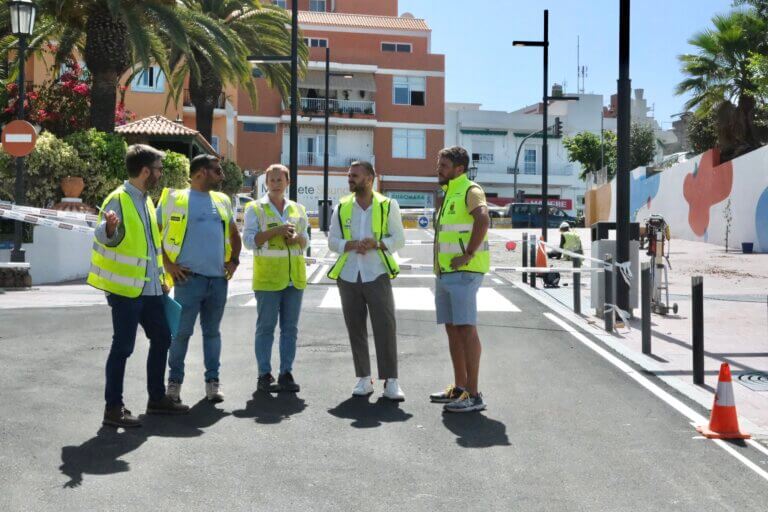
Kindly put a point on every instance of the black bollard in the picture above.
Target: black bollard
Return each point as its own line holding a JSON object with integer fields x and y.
{"x": 525, "y": 256}
{"x": 309, "y": 238}
{"x": 697, "y": 318}
{"x": 532, "y": 261}
{"x": 645, "y": 307}
{"x": 608, "y": 305}
{"x": 577, "y": 287}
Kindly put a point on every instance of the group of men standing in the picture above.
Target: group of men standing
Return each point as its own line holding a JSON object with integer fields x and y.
{"x": 192, "y": 242}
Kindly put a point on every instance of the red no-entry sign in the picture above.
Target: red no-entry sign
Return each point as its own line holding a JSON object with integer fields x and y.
{"x": 19, "y": 138}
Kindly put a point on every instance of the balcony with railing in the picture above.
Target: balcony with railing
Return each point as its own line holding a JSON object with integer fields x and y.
{"x": 315, "y": 107}
{"x": 316, "y": 159}
{"x": 221, "y": 101}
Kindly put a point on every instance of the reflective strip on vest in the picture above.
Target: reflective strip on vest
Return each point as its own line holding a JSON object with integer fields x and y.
{"x": 116, "y": 278}
{"x": 461, "y": 228}
{"x": 120, "y": 258}
{"x": 278, "y": 253}
{"x": 455, "y": 247}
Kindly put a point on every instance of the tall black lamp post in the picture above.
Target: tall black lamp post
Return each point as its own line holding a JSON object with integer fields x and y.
{"x": 623, "y": 128}
{"x": 22, "y": 14}
{"x": 326, "y": 155}
{"x": 545, "y": 102}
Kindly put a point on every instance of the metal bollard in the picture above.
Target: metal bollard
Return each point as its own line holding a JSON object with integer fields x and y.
{"x": 645, "y": 307}
{"x": 309, "y": 238}
{"x": 697, "y": 317}
{"x": 525, "y": 256}
{"x": 577, "y": 287}
{"x": 532, "y": 260}
{"x": 608, "y": 314}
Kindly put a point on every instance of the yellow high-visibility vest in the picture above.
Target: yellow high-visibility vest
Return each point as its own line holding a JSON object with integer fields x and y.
{"x": 122, "y": 269}
{"x": 278, "y": 264}
{"x": 379, "y": 227}
{"x": 454, "y": 229}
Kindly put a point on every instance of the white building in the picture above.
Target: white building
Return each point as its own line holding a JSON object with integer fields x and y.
{"x": 493, "y": 138}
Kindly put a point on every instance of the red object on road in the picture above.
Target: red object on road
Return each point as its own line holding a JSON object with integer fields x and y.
{"x": 19, "y": 138}
{"x": 724, "y": 422}
{"x": 511, "y": 246}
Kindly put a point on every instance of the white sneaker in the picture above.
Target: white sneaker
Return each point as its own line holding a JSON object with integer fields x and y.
{"x": 213, "y": 391}
{"x": 173, "y": 391}
{"x": 392, "y": 391}
{"x": 364, "y": 387}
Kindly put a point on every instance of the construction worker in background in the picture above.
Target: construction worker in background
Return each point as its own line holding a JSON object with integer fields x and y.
{"x": 569, "y": 241}
{"x": 201, "y": 249}
{"x": 275, "y": 229}
{"x": 462, "y": 258}
{"x": 127, "y": 263}
{"x": 366, "y": 228}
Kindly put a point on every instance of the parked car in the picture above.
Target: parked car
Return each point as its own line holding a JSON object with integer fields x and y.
{"x": 240, "y": 200}
{"x": 527, "y": 215}
{"x": 496, "y": 212}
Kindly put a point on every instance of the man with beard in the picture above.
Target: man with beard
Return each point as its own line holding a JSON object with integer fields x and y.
{"x": 201, "y": 249}
{"x": 366, "y": 229}
{"x": 127, "y": 263}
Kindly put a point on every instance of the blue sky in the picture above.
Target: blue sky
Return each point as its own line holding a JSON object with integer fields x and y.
{"x": 483, "y": 67}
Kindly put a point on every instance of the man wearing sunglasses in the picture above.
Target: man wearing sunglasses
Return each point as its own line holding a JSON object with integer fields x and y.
{"x": 201, "y": 249}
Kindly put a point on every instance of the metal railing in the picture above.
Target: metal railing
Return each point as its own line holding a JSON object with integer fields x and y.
{"x": 317, "y": 106}
{"x": 316, "y": 159}
{"x": 220, "y": 102}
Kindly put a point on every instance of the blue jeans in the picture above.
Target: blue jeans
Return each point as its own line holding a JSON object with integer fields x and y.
{"x": 206, "y": 296}
{"x": 127, "y": 315}
{"x": 285, "y": 304}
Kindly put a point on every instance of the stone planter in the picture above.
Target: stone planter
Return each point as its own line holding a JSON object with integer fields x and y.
{"x": 72, "y": 186}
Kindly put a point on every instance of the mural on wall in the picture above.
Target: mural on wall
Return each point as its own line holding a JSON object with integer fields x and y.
{"x": 642, "y": 191}
{"x": 693, "y": 196}
{"x": 709, "y": 183}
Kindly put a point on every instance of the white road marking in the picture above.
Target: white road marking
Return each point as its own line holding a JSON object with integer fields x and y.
{"x": 497, "y": 280}
{"x": 416, "y": 276}
{"x": 320, "y": 274}
{"x": 251, "y": 303}
{"x": 693, "y": 416}
{"x": 422, "y": 299}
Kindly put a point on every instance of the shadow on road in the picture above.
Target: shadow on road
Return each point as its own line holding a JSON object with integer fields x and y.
{"x": 269, "y": 409}
{"x": 475, "y": 430}
{"x": 367, "y": 414}
{"x": 101, "y": 454}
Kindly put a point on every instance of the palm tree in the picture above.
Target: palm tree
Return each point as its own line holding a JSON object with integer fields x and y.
{"x": 249, "y": 29}
{"x": 721, "y": 78}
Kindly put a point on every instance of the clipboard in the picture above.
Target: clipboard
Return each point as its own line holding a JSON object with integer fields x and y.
{"x": 172, "y": 314}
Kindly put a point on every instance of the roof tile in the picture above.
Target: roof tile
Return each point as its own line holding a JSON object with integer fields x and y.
{"x": 155, "y": 125}
{"x": 362, "y": 21}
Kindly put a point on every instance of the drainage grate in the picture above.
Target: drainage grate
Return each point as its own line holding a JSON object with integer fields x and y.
{"x": 756, "y": 381}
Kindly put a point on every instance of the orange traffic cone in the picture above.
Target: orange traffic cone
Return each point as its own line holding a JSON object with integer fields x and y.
{"x": 541, "y": 255}
{"x": 723, "y": 424}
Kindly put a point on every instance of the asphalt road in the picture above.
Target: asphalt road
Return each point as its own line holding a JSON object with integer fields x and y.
{"x": 564, "y": 430}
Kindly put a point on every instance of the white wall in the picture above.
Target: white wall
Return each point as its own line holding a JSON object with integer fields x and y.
{"x": 56, "y": 256}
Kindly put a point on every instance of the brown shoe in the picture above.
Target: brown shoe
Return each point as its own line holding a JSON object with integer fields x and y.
{"x": 120, "y": 417}
{"x": 166, "y": 405}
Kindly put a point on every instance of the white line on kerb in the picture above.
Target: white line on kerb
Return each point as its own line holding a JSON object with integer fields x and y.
{"x": 693, "y": 416}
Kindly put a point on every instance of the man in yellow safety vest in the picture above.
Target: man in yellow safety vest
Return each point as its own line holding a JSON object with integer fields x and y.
{"x": 461, "y": 259}
{"x": 127, "y": 263}
{"x": 366, "y": 229}
{"x": 275, "y": 229}
{"x": 201, "y": 249}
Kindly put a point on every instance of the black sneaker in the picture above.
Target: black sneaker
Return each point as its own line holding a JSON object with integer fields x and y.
{"x": 166, "y": 405}
{"x": 450, "y": 394}
{"x": 120, "y": 417}
{"x": 286, "y": 383}
{"x": 267, "y": 384}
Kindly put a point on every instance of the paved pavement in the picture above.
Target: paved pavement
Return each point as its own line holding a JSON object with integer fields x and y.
{"x": 565, "y": 429}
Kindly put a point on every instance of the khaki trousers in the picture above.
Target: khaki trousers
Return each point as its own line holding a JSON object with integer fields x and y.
{"x": 357, "y": 301}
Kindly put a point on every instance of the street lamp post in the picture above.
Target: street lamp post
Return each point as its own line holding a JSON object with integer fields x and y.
{"x": 326, "y": 155}
{"x": 546, "y": 98}
{"x": 22, "y": 13}
{"x": 623, "y": 126}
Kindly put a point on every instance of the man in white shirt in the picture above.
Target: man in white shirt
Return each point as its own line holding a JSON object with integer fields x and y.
{"x": 366, "y": 229}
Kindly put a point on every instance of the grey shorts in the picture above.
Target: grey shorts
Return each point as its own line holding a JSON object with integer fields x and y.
{"x": 456, "y": 297}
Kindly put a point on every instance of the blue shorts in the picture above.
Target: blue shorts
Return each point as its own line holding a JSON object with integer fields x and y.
{"x": 456, "y": 297}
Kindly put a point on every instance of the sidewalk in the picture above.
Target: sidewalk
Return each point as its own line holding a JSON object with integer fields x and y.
{"x": 735, "y": 315}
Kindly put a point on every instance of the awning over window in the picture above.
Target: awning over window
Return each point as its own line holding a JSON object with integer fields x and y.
{"x": 358, "y": 82}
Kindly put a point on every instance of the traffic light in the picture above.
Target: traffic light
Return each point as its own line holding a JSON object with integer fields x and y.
{"x": 558, "y": 132}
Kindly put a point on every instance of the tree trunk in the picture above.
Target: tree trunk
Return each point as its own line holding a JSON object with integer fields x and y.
{"x": 107, "y": 57}
{"x": 103, "y": 101}
{"x": 205, "y": 97}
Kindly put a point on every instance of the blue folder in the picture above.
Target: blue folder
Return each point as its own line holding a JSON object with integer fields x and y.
{"x": 172, "y": 314}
